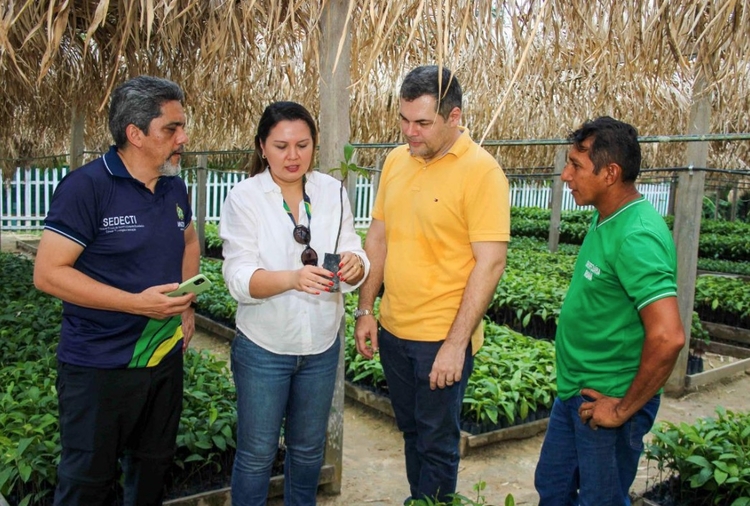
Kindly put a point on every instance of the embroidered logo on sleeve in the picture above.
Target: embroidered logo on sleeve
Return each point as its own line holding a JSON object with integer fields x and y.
{"x": 180, "y": 218}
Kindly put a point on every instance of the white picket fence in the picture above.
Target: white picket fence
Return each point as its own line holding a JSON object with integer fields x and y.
{"x": 539, "y": 194}
{"x": 25, "y": 198}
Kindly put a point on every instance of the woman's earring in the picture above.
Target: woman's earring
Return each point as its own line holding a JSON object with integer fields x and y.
{"x": 263, "y": 156}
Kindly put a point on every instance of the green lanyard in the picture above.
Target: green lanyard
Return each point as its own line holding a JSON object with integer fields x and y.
{"x": 308, "y": 206}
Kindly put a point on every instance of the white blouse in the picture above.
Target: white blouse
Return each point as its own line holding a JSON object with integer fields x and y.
{"x": 257, "y": 234}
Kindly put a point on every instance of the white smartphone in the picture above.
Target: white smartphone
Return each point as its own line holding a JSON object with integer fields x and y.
{"x": 197, "y": 284}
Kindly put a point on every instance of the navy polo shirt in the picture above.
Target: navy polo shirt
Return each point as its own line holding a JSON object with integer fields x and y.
{"x": 133, "y": 239}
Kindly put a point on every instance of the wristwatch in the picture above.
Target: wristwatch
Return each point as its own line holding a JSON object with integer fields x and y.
{"x": 361, "y": 312}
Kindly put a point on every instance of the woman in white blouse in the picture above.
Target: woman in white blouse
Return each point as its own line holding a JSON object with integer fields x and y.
{"x": 276, "y": 225}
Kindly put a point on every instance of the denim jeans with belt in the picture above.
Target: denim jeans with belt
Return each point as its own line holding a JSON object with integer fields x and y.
{"x": 582, "y": 466}
{"x": 428, "y": 419}
{"x": 269, "y": 388}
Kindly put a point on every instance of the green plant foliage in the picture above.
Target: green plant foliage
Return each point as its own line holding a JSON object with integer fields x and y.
{"x": 723, "y": 227}
{"x": 534, "y": 222}
{"x": 359, "y": 369}
{"x": 212, "y": 235}
{"x": 710, "y": 458}
{"x": 461, "y": 500}
{"x": 724, "y": 247}
{"x": 205, "y": 440}
{"x": 216, "y": 302}
{"x": 697, "y": 331}
{"x": 347, "y": 166}
{"x": 726, "y": 266}
{"x": 719, "y": 240}
{"x": 518, "y": 244}
{"x": 723, "y": 300}
{"x": 530, "y": 293}
{"x": 29, "y": 429}
{"x": 514, "y": 376}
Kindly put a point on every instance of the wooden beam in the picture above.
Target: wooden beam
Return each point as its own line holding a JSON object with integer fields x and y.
{"x": 717, "y": 203}
{"x": 77, "y": 127}
{"x": 714, "y": 375}
{"x": 522, "y": 431}
{"x": 335, "y": 127}
{"x": 672, "y": 196}
{"x": 687, "y": 224}
{"x": 555, "y": 204}
{"x": 727, "y": 332}
{"x": 727, "y": 350}
{"x": 223, "y": 496}
{"x": 370, "y": 399}
{"x": 735, "y": 198}
{"x": 335, "y": 130}
{"x": 199, "y": 213}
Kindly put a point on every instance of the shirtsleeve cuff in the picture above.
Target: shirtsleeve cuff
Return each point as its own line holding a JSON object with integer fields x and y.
{"x": 654, "y": 298}
{"x": 66, "y": 232}
{"x": 239, "y": 286}
{"x": 346, "y": 287}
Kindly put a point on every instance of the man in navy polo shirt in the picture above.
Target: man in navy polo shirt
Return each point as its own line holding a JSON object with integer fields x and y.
{"x": 117, "y": 239}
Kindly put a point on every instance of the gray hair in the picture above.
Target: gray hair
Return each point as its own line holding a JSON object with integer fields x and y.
{"x": 138, "y": 101}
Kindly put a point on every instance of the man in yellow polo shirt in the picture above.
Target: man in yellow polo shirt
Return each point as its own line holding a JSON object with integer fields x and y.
{"x": 438, "y": 239}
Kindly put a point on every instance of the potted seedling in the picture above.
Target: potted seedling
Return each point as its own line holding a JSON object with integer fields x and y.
{"x": 331, "y": 261}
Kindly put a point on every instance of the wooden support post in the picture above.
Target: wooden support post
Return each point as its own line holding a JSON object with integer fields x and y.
{"x": 335, "y": 130}
{"x": 199, "y": 213}
{"x": 335, "y": 127}
{"x": 334, "y": 452}
{"x": 77, "y": 124}
{"x": 561, "y": 157}
{"x": 735, "y": 197}
{"x": 375, "y": 177}
{"x": 351, "y": 190}
{"x": 687, "y": 226}
{"x": 717, "y": 203}
{"x": 672, "y": 196}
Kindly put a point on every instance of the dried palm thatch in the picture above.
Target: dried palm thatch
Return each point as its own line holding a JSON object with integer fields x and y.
{"x": 530, "y": 69}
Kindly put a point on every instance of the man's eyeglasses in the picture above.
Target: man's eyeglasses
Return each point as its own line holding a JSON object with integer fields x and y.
{"x": 302, "y": 235}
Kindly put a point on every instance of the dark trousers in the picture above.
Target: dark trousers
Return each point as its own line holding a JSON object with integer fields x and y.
{"x": 107, "y": 414}
{"x": 429, "y": 419}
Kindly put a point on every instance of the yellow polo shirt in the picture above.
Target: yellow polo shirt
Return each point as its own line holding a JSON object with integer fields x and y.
{"x": 432, "y": 213}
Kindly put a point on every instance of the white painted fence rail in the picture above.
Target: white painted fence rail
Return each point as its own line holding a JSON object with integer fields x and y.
{"x": 539, "y": 194}
{"x": 25, "y": 198}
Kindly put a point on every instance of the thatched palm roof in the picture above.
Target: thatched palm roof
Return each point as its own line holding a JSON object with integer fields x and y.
{"x": 542, "y": 67}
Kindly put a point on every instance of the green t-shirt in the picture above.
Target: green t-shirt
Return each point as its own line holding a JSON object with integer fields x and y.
{"x": 626, "y": 262}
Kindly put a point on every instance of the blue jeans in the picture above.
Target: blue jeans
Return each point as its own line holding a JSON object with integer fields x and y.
{"x": 271, "y": 387}
{"x": 429, "y": 419}
{"x": 582, "y": 466}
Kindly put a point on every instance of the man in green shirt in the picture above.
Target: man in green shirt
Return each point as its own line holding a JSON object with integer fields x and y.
{"x": 619, "y": 332}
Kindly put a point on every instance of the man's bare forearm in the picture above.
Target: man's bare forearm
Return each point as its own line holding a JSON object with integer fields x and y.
{"x": 480, "y": 287}
{"x": 376, "y": 250}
